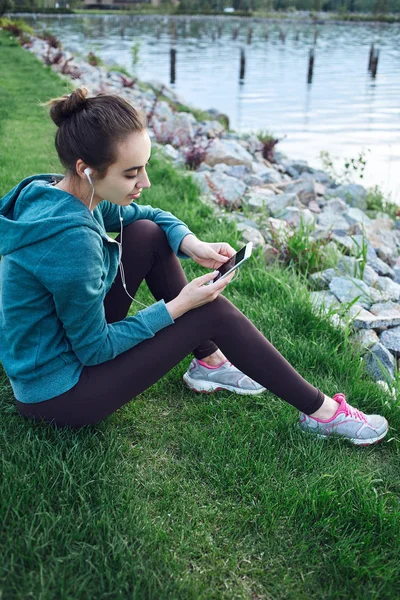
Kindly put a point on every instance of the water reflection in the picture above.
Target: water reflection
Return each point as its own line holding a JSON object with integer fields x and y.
{"x": 258, "y": 73}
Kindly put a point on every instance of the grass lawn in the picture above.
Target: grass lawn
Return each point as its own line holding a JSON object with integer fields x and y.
{"x": 185, "y": 496}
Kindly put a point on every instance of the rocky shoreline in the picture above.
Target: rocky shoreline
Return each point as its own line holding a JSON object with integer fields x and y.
{"x": 278, "y": 197}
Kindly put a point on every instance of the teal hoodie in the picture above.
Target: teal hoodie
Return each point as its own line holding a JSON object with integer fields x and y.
{"x": 57, "y": 265}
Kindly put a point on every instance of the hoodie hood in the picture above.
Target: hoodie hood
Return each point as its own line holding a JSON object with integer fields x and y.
{"x": 35, "y": 210}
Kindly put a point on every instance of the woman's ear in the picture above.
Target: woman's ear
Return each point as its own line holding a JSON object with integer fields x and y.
{"x": 83, "y": 170}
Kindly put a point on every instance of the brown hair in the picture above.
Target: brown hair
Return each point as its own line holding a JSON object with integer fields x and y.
{"x": 91, "y": 128}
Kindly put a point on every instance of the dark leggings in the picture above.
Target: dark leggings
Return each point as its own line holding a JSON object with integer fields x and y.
{"x": 104, "y": 388}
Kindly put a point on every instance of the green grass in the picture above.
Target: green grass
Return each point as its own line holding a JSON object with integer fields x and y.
{"x": 180, "y": 496}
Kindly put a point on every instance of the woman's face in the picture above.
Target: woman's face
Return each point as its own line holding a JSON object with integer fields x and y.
{"x": 127, "y": 176}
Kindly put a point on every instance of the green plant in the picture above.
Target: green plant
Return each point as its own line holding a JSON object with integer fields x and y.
{"x": 361, "y": 254}
{"x": 119, "y": 69}
{"x": 376, "y": 202}
{"x": 15, "y": 26}
{"x": 94, "y": 60}
{"x": 269, "y": 142}
{"x": 350, "y": 167}
{"x": 135, "y": 50}
{"x": 297, "y": 248}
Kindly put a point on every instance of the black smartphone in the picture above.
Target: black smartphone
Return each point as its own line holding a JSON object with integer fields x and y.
{"x": 235, "y": 260}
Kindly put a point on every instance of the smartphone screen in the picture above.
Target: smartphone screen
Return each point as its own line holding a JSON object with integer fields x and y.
{"x": 234, "y": 260}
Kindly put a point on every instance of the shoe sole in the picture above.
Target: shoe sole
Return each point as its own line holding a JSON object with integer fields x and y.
{"x": 355, "y": 441}
{"x": 209, "y": 387}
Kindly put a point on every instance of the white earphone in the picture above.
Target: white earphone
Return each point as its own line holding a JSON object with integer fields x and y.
{"x": 88, "y": 172}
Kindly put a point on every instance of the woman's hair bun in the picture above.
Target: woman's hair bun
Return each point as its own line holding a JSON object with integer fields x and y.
{"x": 65, "y": 107}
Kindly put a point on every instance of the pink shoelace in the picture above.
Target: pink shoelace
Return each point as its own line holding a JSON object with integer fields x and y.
{"x": 349, "y": 410}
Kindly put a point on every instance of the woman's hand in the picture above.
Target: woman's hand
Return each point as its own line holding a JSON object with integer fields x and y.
{"x": 207, "y": 254}
{"x": 198, "y": 292}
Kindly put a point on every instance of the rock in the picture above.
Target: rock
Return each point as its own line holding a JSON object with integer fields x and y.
{"x": 336, "y": 205}
{"x": 305, "y": 190}
{"x": 229, "y": 152}
{"x": 356, "y": 215}
{"x": 391, "y": 340}
{"x": 365, "y": 338}
{"x": 210, "y": 129}
{"x": 227, "y": 190}
{"x": 328, "y": 220}
{"x": 277, "y": 231}
{"x": 318, "y": 175}
{"x": 370, "y": 277}
{"x": 383, "y": 240}
{"x": 163, "y": 111}
{"x": 376, "y": 263}
{"x": 252, "y": 180}
{"x": 258, "y": 198}
{"x": 278, "y": 202}
{"x": 364, "y": 319}
{"x": 170, "y": 151}
{"x": 388, "y": 313}
{"x": 204, "y": 167}
{"x": 386, "y": 284}
{"x": 379, "y": 362}
{"x": 324, "y": 300}
{"x": 238, "y": 171}
{"x": 326, "y": 303}
{"x": 345, "y": 241}
{"x": 271, "y": 254}
{"x": 349, "y": 265}
{"x": 251, "y": 234}
{"x": 313, "y": 206}
{"x": 321, "y": 279}
{"x": 352, "y": 193}
{"x": 294, "y": 216}
{"x": 269, "y": 176}
{"x": 346, "y": 289}
{"x": 177, "y": 131}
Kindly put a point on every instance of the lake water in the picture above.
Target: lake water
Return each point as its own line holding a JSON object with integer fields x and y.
{"x": 343, "y": 110}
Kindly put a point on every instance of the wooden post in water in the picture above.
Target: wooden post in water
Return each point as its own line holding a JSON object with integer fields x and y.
{"x": 297, "y": 36}
{"x": 235, "y": 33}
{"x": 310, "y": 65}
{"x": 173, "y": 58}
{"x": 371, "y": 56}
{"x": 249, "y": 34}
{"x": 266, "y": 34}
{"x": 282, "y": 36}
{"x": 315, "y": 36}
{"x": 242, "y": 64}
{"x": 219, "y": 30}
{"x": 374, "y": 64}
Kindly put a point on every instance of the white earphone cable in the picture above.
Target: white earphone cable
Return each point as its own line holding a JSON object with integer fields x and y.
{"x": 121, "y": 267}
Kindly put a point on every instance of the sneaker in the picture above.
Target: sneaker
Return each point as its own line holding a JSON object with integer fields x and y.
{"x": 349, "y": 422}
{"x": 202, "y": 378}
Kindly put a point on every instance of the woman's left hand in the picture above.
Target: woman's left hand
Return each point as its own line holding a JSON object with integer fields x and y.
{"x": 207, "y": 254}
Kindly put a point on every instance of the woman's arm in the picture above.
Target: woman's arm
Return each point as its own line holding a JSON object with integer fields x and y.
{"x": 174, "y": 228}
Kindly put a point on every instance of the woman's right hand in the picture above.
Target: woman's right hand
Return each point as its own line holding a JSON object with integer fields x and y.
{"x": 197, "y": 292}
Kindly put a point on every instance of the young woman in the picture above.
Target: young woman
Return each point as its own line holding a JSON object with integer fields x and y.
{"x": 72, "y": 354}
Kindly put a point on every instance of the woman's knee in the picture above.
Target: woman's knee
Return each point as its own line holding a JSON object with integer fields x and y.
{"x": 221, "y": 310}
{"x": 146, "y": 234}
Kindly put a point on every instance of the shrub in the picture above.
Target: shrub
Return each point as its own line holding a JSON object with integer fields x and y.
{"x": 16, "y": 27}
{"x": 269, "y": 142}
{"x": 196, "y": 152}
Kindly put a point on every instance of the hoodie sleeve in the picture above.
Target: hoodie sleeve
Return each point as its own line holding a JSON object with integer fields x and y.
{"x": 72, "y": 271}
{"x": 174, "y": 229}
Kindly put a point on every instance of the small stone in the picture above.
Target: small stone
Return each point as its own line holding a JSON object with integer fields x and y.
{"x": 365, "y": 338}
{"x": 391, "y": 340}
{"x": 379, "y": 362}
{"x": 346, "y": 289}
